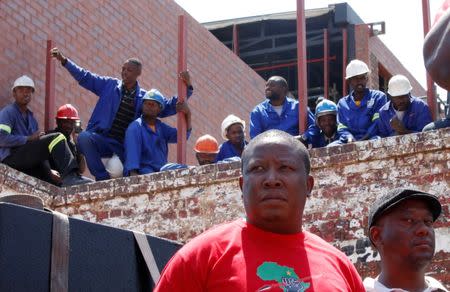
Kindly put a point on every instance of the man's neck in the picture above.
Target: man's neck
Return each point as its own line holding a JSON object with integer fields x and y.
{"x": 277, "y": 102}
{"x": 406, "y": 279}
{"x": 358, "y": 95}
{"x": 130, "y": 86}
{"x": 22, "y": 108}
{"x": 150, "y": 121}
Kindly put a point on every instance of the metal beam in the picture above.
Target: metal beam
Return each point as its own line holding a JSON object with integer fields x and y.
{"x": 181, "y": 118}
{"x": 344, "y": 61}
{"x": 289, "y": 64}
{"x": 325, "y": 63}
{"x": 235, "y": 40}
{"x": 301, "y": 67}
{"x": 49, "y": 120}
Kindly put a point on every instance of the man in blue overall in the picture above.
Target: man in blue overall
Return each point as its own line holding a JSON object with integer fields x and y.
{"x": 119, "y": 103}
{"x": 403, "y": 114}
{"x": 279, "y": 112}
{"x": 358, "y": 111}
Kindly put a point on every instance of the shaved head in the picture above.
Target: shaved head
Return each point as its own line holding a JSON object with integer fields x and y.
{"x": 277, "y": 136}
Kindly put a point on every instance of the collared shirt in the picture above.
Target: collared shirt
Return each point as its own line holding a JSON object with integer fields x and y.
{"x": 415, "y": 117}
{"x": 360, "y": 121}
{"x": 15, "y": 127}
{"x": 146, "y": 150}
{"x": 227, "y": 150}
{"x": 373, "y": 285}
{"x": 264, "y": 117}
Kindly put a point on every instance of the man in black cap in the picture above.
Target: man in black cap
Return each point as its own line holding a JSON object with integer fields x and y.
{"x": 401, "y": 229}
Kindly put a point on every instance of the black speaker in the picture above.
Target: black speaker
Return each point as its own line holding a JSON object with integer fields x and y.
{"x": 101, "y": 258}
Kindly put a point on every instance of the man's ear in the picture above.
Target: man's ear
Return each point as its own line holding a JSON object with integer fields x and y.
{"x": 241, "y": 182}
{"x": 309, "y": 185}
{"x": 375, "y": 236}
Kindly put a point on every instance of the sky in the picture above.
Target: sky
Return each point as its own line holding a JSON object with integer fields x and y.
{"x": 403, "y": 18}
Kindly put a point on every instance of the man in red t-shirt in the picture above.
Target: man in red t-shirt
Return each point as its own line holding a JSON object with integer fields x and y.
{"x": 269, "y": 250}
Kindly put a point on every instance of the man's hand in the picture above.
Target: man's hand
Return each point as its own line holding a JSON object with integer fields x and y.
{"x": 56, "y": 177}
{"x": 186, "y": 77}
{"x": 58, "y": 55}
{"x": 398, "y": 126}
{"x": 183, "y": 108}
{"x": 35, "y": 136}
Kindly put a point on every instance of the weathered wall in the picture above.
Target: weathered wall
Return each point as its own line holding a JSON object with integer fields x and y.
{"x": 181, "y": 204}
{"x": 100, "y": 35}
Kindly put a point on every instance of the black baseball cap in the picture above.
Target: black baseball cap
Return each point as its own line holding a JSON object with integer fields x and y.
{"x": 395, "y": 196}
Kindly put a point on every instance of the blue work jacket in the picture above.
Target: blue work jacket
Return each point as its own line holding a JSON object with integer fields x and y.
{"x": 264, "y": 117}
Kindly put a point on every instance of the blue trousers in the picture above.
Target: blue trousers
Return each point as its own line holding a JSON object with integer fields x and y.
{"x": 94, "y": 146}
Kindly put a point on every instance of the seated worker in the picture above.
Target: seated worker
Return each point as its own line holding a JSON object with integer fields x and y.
{"x": 358, "y": 111}
{"x": 233, "y": 131}
{"x": 25, "y": 148}
{"x": 326, "y": 112}
{"x": 68, "y": 124}
{"x": 146, "y": 138}
{"x": 269, "y": 250}
{"x": 279, "y": 112}
{"x": 206, "y": 149}
{"x": 401, "y": 230}
{"x": 119, "y": 103}
{"x": 403, "y": 114}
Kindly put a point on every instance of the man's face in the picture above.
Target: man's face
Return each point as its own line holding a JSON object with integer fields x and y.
{"x": 151, "y": 108}
{"x": 235, "y": 134}
{"x": 205, "y": 158}
{"x": 23, "y": 94}
{"x": 65, "y": 126}
{"x": 130, "y": 73}
{"x": 405, "y": 235}
{"x": 359, "y": 82}
{"x": 274, "y": 89}
{"x": 275, "y": 186}
{"x": 401, "y": 103}
{"x": 327, "y": 124}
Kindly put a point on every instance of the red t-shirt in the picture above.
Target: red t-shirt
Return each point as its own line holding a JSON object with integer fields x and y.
{"x": 241, "y": 257}
{"x": 238, "y": 256}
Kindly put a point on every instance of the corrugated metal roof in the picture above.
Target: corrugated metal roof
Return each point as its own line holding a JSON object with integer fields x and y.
{"x": 290, "y": 15}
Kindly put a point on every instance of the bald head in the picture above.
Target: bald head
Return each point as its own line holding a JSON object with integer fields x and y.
{"x": 277, "y": 137}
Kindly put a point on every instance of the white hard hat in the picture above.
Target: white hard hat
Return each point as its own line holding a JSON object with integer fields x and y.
{"x": 23, "y": 80}
{"x": 355, "y": 68}
{"x": 113, "y": 166}
{"x": 228, "y": 121}
{"x": 399, "y": 85}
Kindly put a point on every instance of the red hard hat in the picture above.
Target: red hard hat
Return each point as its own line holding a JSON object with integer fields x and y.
{"x": 67, "y": 112}
{"x": 206, "y": 144}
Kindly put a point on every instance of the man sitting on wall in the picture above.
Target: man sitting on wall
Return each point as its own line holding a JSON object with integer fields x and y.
{"x": 403, "y": 114}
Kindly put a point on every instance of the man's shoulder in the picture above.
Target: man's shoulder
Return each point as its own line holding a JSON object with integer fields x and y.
{"x": 262, "y": 106}
{"x": 385, "y": 107}
{"x": 214, "y": 236}
{"x": 377, "y": 93}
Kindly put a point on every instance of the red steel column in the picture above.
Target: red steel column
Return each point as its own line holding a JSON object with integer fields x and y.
{"x": 301, "y": 67}
{"x": 49, "y": 111}
{"x": 181, "y": 118}
{"x": 235, "y": 40}
{"x": 344, "y": 61}
{"x": 325, "y": 63}
{"x": 431, "y": 99}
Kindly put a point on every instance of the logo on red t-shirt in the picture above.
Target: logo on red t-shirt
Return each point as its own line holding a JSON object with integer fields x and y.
{"x": 286, "y": 278}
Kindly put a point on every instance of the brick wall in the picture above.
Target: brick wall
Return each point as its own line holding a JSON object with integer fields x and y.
{"x": 100, "y": 35}
{"x": 181, "y": 204}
